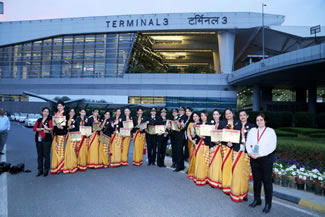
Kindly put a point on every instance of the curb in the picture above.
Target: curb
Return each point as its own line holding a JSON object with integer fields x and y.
{"x": 296, "y": 200}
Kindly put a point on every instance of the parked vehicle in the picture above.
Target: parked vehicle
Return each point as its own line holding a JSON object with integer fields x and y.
{"x": 31, "y": 120}
{"x": 22, "y": 117}
{"x": 17, "y": 115}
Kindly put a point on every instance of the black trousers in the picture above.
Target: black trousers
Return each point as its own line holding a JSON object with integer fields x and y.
{"x": 173, "y": 141}
{"x": 162, "y": 144}
{"x": 179, "y": 155}
{"x": 186, "y": 154}
{"x": 43, "y": 155}
{"x": 152, "y": 141}
{"x": 262, "y": 172}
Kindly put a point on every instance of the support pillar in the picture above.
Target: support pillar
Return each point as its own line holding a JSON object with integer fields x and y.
{"x": 256, "y": 98}
{"x": 226, "y": 44}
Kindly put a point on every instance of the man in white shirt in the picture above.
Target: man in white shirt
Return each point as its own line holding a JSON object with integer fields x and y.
{"x": 4, "y": 129}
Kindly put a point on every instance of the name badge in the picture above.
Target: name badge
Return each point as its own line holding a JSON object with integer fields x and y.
{"x": 39, "y": 139}
{"x": 256, "y": 148}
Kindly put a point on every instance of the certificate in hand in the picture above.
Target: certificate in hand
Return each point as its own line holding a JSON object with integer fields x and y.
{"x": 205, "y": 130}
{"x": 104, "y": 139}
{"x": 128, "y": 124}
{"x": 160, "y": 129}
{"x": 85, "y": 130}
{"x": 231, "y": 136}
{"x": 96, "y": 127}
{"x": 174, "y": 126}
{"x": 143, "y": 126}
{"x": 151, "y": 130}
{"x": 125, "y": 132}
{"x": 216, "y": 135}
{"x": 74, "y": 136}
{"x": 197, "y": 130}
{"x": 59, "y": 121}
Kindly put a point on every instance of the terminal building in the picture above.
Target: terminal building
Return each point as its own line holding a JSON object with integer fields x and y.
{"x": 202, "y": 60}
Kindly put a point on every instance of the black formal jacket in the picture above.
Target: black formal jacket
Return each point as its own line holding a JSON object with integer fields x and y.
{"x": 118, "y": 124}
{"x": 61, "y": 132}
{"x": 108, "y": 129}
{"x": 80, "y": 122}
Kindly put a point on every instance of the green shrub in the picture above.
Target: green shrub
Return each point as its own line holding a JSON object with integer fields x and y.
{"x": 302, "y": 131}
{"x": 305, "y": 119}
{"x": 317, "y": 135}
{"x": 320, "y": 120}
{"x": 282, "y": 133}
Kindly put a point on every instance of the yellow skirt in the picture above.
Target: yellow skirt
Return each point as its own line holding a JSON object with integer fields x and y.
{"x": 92, "y": 157}
{"x": 190, "y": 147}
{"x": 82, "y": 153}
{"x": 226, "y": 168}
{"x": 116, "y": 150}
{"x": 139, "y": 140}
{"x": 70, "y": 157}
{"x": 215, "y": 172}
{"x": 125, "y": 150}
{"x": 57, "y": 162}
{"x": 240, "y": 176}
{"x": 191, "y": 168}
{"x": 103, "y": 154}
{"x": 201, "y": 164}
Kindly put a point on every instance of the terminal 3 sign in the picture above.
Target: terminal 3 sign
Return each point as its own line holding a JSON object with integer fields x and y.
{"x": 195, "y": 20}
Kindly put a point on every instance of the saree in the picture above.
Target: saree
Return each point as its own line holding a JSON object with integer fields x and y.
{"x": 215, "y": 172}
{"x": 139, "y": 140}
{"x": 57, "y": 162}
{"x": 116, "y": 150}
{"x": 71, "y": 161}
{"x": 201, "y": 164}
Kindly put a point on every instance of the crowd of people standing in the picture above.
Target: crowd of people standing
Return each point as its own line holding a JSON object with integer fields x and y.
{"x": 223, "y": 165}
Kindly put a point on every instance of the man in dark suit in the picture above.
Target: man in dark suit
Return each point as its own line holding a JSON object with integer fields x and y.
{"x": 180, "y": 137}
{"x": 152, "y": 138}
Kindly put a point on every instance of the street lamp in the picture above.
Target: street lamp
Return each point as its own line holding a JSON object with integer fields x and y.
{"x": 263, "y": 5}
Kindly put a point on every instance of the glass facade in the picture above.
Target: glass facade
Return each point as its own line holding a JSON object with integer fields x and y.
{"x": 68, "y": 56}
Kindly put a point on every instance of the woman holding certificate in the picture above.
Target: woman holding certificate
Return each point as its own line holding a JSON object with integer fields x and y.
{"x": 241, "y": 167}
{"x": 92, "y": 157}
{"x": 70, "y": 157}
{"x": 195, "y": 120}
{"x": 127, "y": 122}
{"x": 116, "y": 140}
{"x": 215, "y": 171}
{"x": 202, "y": 153}
{"x": 82, "y": 146}
{"x": 104, "y": 140}
{"x": 226, "y": 166}
{"x": 260, "y": 145}
{"x": 139, "y": 137}
{"x": 60, "y": 131}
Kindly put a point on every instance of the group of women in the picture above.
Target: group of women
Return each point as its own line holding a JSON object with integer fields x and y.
{"x": 223, "y": 165}
{"x": 227, "y": 165}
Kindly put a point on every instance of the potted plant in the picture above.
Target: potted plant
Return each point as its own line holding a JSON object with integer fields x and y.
{"x": 318, "y": 186}
{"x": 300, "y": 180}
{"x": 284, "y": 180}
{"x": 275, "y": 175}
{"x": 292, "y": 173}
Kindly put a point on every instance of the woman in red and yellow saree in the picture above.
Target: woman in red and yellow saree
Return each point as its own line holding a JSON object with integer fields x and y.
{"x": 82, "y": 146}
{"x": 105, "y": 140}
{"x": 126, "y": 140}
{"x": 92, "y": 157}
{"x": 60, "y": 131}
{"x": 116, "y": 141}
{"x": 139, "y": 139}
{"x": 70, "y": 157}
{"x": 227, "y": 150}
{"x": 215, "y": 172}
{"x": 202, "y": 155}
{"x": 241, "y": 163}
{"x": 191, "y": 136}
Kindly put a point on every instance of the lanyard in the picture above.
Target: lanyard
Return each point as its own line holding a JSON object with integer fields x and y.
{"x": 258, "y": 135}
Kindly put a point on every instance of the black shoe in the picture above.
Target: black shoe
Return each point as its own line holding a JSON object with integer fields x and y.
{"x": 39, "y": 173}
{"x": 179, "y": 169}
{"x": 163, "y": 165}
{"x": 1, "y": 153}
{"x": 148, "y": 164}
{"x": 255, "y": 203}
{"x": 245, "y": 199}
{"x": 46, "y": 173}
{"x": 173, "y": 165}
{"x": 153, "y": 164}
{"x": 267, "y": 208}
